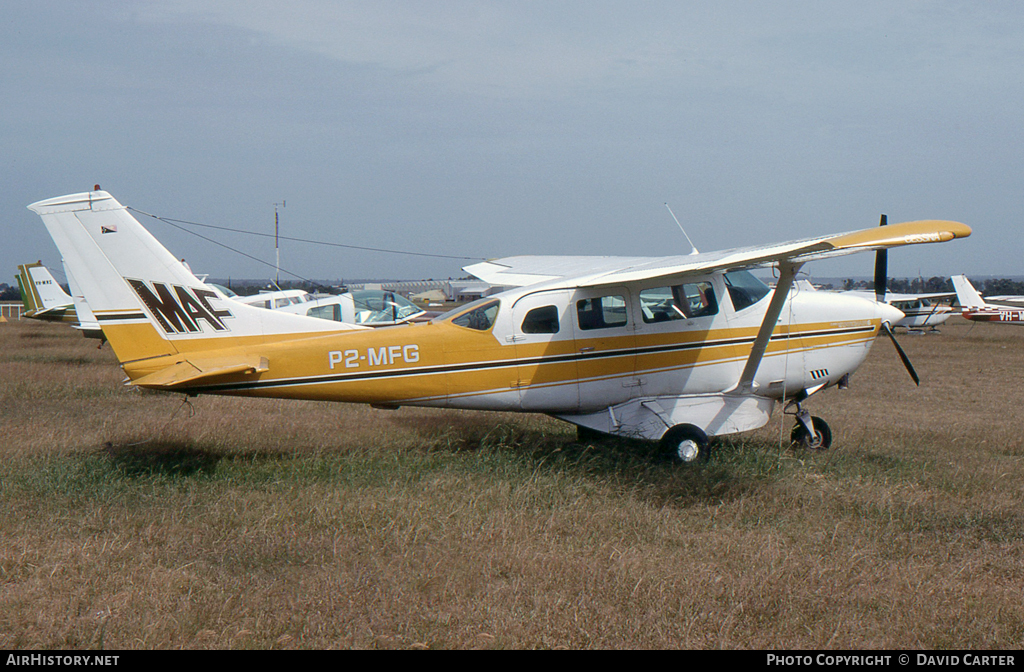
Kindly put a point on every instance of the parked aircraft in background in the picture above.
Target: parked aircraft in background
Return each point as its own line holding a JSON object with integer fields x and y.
{"x": 42, "y": 295}
{"x": 922, "y": 311}
{"x": 46, "y": 300}
{"x": 674, "y": 349}
{"x": 368, "y": 307}
{"x": 974, "y": 307}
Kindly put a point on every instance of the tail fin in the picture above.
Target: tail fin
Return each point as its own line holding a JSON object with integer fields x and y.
{"x": 43, "y": 297}
{"x": 966, "y": 294}
{"x": 149, "y": 303}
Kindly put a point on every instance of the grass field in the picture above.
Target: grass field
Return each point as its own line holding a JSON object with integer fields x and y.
{"x": 128, "y": 522}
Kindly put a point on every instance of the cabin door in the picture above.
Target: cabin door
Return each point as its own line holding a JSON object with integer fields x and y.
{"x": 605, "y": 346}
{"x": 546, "y": 372}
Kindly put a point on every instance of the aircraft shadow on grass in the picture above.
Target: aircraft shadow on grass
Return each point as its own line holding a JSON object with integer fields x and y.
{"x": 175, "y": 458}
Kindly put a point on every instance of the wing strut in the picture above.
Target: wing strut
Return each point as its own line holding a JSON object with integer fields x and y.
{"x": 787, "y": 274}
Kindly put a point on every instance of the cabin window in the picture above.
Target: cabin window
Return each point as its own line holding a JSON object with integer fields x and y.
{"x": 543, "y": 320}
{"x": 659, "y": 305}
{"x": 693, "y": 299}
{"x": 602, "y": 312}
{"x": 744, "y": 289}
{"x": 697, "y": 299}
{"x": 480, "y": 318}
{"x": 329, "y": 312}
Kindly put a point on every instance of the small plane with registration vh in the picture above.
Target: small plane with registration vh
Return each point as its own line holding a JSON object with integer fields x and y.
{"x": 670, "y": 349}
{"x": 975, "y": 308}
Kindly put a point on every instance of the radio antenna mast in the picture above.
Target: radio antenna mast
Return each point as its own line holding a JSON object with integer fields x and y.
{"x": 277, "y": 249}
{"x": 695, "y": 251}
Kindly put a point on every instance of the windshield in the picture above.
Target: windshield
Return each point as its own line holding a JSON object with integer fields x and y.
{"x": 744, "y": 289}
{"x": 478, "y": 315}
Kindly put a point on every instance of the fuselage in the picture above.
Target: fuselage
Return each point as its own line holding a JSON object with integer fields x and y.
{"x": 995, "y": 314}
{"x": 561, "y": 350}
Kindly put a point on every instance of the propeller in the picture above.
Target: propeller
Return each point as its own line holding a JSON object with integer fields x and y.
{"x": 881, "y": 280}
{"x": 903, "y": 355}
{"x": 881, "y": 268}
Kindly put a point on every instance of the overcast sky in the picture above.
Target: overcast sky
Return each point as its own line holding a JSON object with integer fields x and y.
{"x": 488, "y": 129}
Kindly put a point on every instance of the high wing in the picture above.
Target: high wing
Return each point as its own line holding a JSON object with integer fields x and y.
{"x": 596, "y": 271}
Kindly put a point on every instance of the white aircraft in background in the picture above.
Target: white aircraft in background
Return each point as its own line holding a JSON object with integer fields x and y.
{"x": 673, "y": 349}
{"x": 367, "y": 307}
{"x": 44, "y": 299}
{"x": 922, "y": 311}
{"x": 974, "y": 307}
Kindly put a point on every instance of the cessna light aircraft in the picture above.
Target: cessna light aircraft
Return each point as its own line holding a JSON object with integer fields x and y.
{"x": 44, "y": 299}
{"x": 922, "y": 311}
{"x": 974, "y": 307}
{"x": 674, "y": 349}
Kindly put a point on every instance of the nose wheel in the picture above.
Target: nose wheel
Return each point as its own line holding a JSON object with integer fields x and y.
{"x": 810, "y": 432}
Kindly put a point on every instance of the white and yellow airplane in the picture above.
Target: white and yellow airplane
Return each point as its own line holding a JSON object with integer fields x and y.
{"x": 674, "y": 349}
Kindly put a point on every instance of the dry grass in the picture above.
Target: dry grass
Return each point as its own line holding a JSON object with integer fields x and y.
{"x": 267, "y": 524}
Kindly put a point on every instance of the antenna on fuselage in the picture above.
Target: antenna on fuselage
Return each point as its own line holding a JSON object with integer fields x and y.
{"x": 695, "y": 251}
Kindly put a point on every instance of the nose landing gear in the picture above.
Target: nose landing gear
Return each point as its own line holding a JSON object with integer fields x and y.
{"x": 810, "y": 432}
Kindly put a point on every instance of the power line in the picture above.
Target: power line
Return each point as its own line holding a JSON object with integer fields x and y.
{"x": 171, "y": 222}
{"x": 174, "y": 222}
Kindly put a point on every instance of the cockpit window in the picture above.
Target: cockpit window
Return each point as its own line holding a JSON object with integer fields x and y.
{"x": 744, "y": 289}
{"x": 480, "y": 316}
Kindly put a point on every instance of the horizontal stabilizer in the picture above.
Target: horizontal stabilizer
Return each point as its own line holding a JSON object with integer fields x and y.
{"x": 194, "y": 371}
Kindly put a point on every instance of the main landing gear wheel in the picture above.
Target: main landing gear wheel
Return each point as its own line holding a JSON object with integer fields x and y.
{"x": 686, "y": 444}
{"x": 802, "y": 438}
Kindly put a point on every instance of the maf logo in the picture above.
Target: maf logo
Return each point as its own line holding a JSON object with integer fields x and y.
{"x": 180, "y": 310}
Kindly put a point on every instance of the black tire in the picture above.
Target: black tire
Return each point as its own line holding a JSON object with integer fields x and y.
{"x": 686, "y": 444}
{"x": 801, "y": 438}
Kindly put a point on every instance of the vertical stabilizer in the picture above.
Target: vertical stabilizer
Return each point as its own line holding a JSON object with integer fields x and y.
{"x": 966, "y": 294}
{"x": 43, "y": 297}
